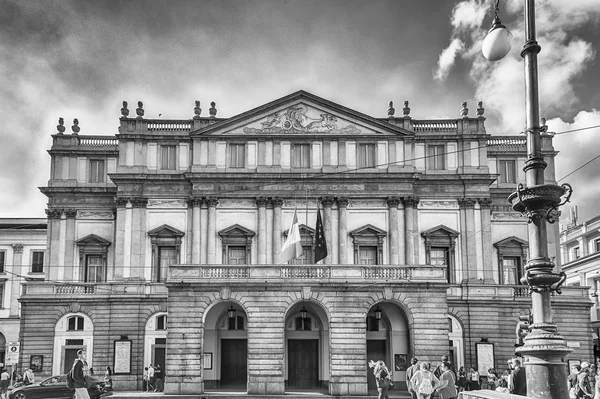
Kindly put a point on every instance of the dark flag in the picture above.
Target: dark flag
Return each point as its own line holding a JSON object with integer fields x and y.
{"x": 320, "y": 242}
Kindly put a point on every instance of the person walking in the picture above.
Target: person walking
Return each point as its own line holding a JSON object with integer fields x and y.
{"x": 447, "y": 387}
{"x": 4, "y": 382}
{"x": 79, "y": 378}
{"x": 145, "y": 380}
{"x": 151, "y": 378}
{"x": 462, "y": 379}
{"x": 158, "y": 379}
{"x": 410, "y": 372}
{"x": 28, "y": 377}
{"x": 518, "y": 379}
{"x": 473, "y": 379}
{"x": 108, "y": 378}
{"x": 584, "y": 390}
{"x": 383, "y": 379}
{"x": 424, "y": 381}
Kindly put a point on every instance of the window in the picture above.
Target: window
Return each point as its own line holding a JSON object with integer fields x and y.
{"x": 94, "y": 269}
{"x": 440, "y": 243}
{"x": 506, "y": 169}
{"x": 2, "y": 255}
{"x": 237, "y": 155}
{"x": 167, "y": 256}
{"x": 597, "y": 245}
{"x": 366, "y": 156}
{"x": 576, "y": 253}
{"x": 167, "y": 157}
{"x": 236, "y": 245}
{"x": 166, "y": 247}
{"x": 75, "y": 323}
{"x": 306, "y": 258}
{"x": 236, "y": 256}
{"x": 372, "y": 323}
{"x": 1, "y": 295}
{"x": 303, "y": 324}
{"x": 97, "y": 172}
{"x": 235, "y": 323}
{"x": 512, "y": 253}
{"x": 301, "y": 156}
{"x": 37, "y": 261}
{"x": 436, "y": 157}
{"x": 161, "y": 322}
{"x": 510, "y": 269}
{"x": 368, "y": 245}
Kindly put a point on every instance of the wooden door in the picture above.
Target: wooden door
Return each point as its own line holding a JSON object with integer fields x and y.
{"x": 70, "y": 356}
{"x": 303, "y": 363}
{"x": 375, "y": 352}
{"x": 234, "y": 361}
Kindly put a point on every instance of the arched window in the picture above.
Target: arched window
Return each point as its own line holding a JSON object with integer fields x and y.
{"x": 75, "y": 323}
{"x": 161, "y": 322}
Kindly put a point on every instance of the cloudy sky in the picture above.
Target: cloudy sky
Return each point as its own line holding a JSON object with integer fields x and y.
{"x": 81, "y": 59}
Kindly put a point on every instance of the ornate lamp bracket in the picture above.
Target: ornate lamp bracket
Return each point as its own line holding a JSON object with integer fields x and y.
{"x": 540, "y": 201}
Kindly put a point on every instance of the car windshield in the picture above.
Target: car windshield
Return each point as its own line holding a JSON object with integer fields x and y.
{"x": 57, "y": 379}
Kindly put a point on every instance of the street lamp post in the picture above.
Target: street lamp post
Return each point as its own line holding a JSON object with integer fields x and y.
{"x": 544, "y": 349}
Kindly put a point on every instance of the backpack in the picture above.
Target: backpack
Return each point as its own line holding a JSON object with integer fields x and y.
{"x": 70, "y": 380}
{"x": 426, "y": 388}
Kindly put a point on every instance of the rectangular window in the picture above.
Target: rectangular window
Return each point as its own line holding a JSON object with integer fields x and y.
{"x": 303, "y": 324}
{"x": 366, "y": 156}
{"x": 1, "y": 295}
{"x": 236, "y": 323}
{"x": 97, "y": 171}
{"x": 510, "y": 269}
{"x": 306, "y": 258}
{"x": 438, "y": 256}
{"x": 436, "y": 157}
{"x": 597, "y": 245}
{"x": 301, "y": 156}
{"x": 94, "y": 269}
{"x": 367, "y": 256}
{"x": 167, "y": 157}
{"x": 507, "y": 169}
{"x": 237, "y": 155}
{"x": 167, "y": 256}
{"x": 236, "y": 255}
{"x": 576, "y": 253}
{"x": 2, "y": 254}
{"x": 37, "y": 261}
{"x": 372, "y": 323}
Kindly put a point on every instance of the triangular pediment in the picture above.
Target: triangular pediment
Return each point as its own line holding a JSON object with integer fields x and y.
{"x": 511, "y": 241}
{"x": 301, "y": 113}
{"x": 93, "y": 240}
{"x": 368, "y": 230}
{"x": 440, "y": 230}
{"x": 165, "y": 231}
{"x": 236, "y": 230}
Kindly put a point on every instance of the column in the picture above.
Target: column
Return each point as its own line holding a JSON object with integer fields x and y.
{"x": 138, "y": 237}
{"x": 261, "y": 202}
{"x": 343, "y": 230}
{"x": 212, "y": 203}
{"x": 18, "y": 268}
{"x": 71, "y": 215}
{"x": 120, "y": 223}
{"x": 394, "y": 258}
{"x": 327, "y": 202}
{"x": 485, "y": 205}
{"x": 401, "y": 234}
{"x": 127, "y": 241}
{"x": 62, "y": 246}
{"x": 195, "y": 204}
{"x": 52, "y": 244}
{"x": 470, "y": 266}
{"x": 277, "y": 203}
{"x": 411, "y": 222}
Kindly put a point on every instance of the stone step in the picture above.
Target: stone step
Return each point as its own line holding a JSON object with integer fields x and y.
{"x": 243, "y": 395}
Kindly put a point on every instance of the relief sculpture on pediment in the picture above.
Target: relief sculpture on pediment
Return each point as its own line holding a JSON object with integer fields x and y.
{"x": 299, "y": 119}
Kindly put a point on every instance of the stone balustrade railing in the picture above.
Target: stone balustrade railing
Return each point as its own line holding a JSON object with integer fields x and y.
{"x": 435, "y": 126}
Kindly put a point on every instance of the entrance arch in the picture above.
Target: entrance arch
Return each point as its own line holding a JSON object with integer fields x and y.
{"x": 225, "y": 349}
{"x": 457, "y": 341}
{"x": 306, "y": 347}
{"x": 388, "y": 340}
{"x": 73, "y": 332}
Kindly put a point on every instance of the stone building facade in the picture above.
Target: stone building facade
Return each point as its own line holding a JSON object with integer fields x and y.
{"x": 163, "y": 245}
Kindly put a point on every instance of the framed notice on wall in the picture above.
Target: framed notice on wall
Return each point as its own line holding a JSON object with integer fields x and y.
{"x": 485, "y": 357}
{"x": 207, "y": 360}
{"x": 36, "y": 362}
{"x": 122, "y": 363}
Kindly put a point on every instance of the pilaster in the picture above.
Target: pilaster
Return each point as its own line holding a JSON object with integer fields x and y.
{"x": 212, "y": 203}
{"x": 277, "y": 203}
{"x": 343, "y": 230}
{"x": 392, "y": 203}
{"x": 327, "y": 203}
{"x": 261, "y": 202}
{"x": 412, "y": 230}
{"x": 469, "y": 251}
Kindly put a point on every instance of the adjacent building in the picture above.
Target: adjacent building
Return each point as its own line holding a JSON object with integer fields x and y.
{"x": 163, "y": 245}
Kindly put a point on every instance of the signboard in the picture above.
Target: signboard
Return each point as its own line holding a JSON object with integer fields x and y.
{"x": 36, "y": 363}
{"x": 122, "y": 357}
{"x": 485, "y": 357}
{"x": 12, "y": 353}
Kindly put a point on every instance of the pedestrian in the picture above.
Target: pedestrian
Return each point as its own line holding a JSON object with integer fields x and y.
{"x": 108, "y": 384}
{"x": 159, "y": 379}
{"x": 383, "y": 378}
{"x": 447, "y": 387}
{"x": 597, "y": 386}
{"x": 145, "y": 380}
{"x": 502, "y": 386}
{"x": 409, "y": 375}
{"x": 473, "y": 379}
{"x": 572, "y": 379}
{"x": 518, "y": 378}
{"x": 4, "y": 382}
{"x": 151, "y": 378}
{"x": 462, "y": 379}
{"x": 78, "y": 371}
{"x": 584, "y": 388}
{"x": 492, "y": 379}
{"x": 28, "y": 377}
{"x": 424, "y": 381}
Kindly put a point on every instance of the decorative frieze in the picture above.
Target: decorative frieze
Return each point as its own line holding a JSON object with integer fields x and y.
{"x": 165, "y": 203}
{"x": 507, "y": 215}
{"x": 437, "y": 204}
{"x": 367, "y": 203}
{"x": 95, "y": 215}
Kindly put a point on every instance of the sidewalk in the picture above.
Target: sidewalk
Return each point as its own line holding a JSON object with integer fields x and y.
{"x": 243, "y": 395}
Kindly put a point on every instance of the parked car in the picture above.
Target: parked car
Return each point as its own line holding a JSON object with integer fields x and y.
{"x": 56, "y": 388}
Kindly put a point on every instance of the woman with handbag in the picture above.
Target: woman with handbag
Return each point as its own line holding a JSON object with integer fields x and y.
{"x": 382, "y": 378}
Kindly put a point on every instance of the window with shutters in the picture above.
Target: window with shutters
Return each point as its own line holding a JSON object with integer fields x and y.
{"x": 168, "y": 157}
{"x": 507, "y": 171}
{"x": 436, "y": 157}
{"x": 237, "y": 155}
{"x": 366, "y": 156}
{"x": 301, "y": 156}
{"x": 97, "y": 171}
{"x": 2, "y": 258}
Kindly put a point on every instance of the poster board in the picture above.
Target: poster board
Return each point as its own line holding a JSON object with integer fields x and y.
{"x": 122, "y": 364}
{"x": 36, "y": 363}
{"x": 207, "y": 361}
{"x": 485, "y": 357}
{"x": 400, "y": 362}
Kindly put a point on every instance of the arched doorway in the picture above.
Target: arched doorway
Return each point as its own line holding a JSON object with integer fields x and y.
{"x": 456, "y": 342}
{"x": 73, "y": 331}
{"x": 225, "y": 350}
{"x": 155, "y": 343}
{"x": 306, "y": 347}
{"x": 388, "y": 340}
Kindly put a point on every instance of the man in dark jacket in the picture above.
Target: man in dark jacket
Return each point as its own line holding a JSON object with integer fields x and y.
{"x": 78, "y": 372}
{"x": 519, "y": 380}
{"x": 409, "y": 375}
